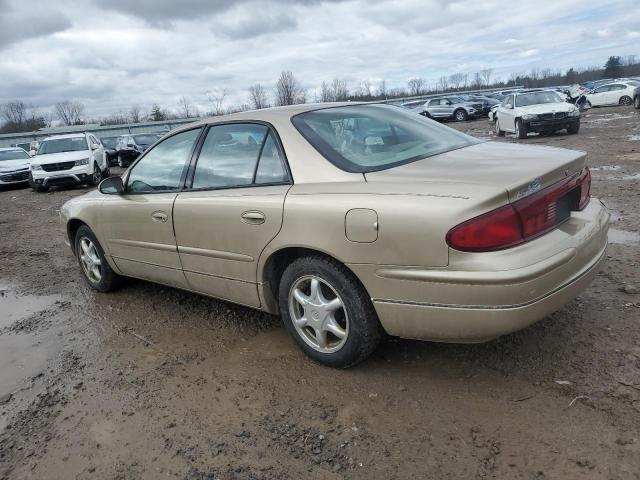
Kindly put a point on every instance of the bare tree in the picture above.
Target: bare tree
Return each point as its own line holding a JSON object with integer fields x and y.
{"x": 70, "y": 112}
{"x": 416, "y": 85}
{"x": 185, "y": 107}
{"x": 15, "y": 112}
{"x": 258, "y": 97}
{"x": 485, "y": 73}
{"x": 135, "y": 114}
{"x": 339, "y": 90}
{"x": 456, "y": 80}
{"x": 326, "y": 95}
{"x": 216, "y": 97}
{"x": 288, "y": 90}
{"x": 383, "y": 88}
{"x": 443, "y": 83}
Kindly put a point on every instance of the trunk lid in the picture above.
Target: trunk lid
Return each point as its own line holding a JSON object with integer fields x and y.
{"x": 519, "y": 169}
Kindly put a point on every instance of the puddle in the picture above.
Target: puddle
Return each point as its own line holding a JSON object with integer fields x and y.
{"x": 623, "y": 237}
{"x": 631, "y": 177}
{"x": 605, "y": 168}
{"x": 15, "y": 307}
{"x": 634, "y": 138}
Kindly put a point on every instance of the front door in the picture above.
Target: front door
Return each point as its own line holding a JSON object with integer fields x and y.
{"x": 232, "y": 210}
{"x": 506, "y": 115}
{"x": 138, "y": 225}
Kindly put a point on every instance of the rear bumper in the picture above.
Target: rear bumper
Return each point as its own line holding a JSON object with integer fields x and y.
{"x": 543, "y": 125}
{"x": 480, "y": 296}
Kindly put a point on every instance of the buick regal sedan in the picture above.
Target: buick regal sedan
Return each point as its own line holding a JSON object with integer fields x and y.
{"x": 350, "y": 221}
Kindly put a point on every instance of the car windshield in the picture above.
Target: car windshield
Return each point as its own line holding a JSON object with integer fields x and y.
{"x": 535, "y": 98}
{"x": 15, "y": 154}
{"x": 59, "y": 145}
{"x": 635, "y": 83}
{"x": 366, "y": 138}
{"x": 145, "y": 139}
{"x": 109, "y": 142}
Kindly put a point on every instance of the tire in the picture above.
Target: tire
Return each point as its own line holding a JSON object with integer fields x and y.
{"x": 460, "y": 115}
{"x": 636, "y": 102}
{"x": 574, "y": 129}
{"x": 97, "y": 177}
{"x": 521, "y": 129}
{"x": 107, "y": 172}
{"x": 93, "y": 256}
{"x": 35, "y": 187}
{"x": 355, "y": 317}
{"x": 120, "y": 161}
{"x": 625, "y": 100}
{"x": 499, "y": 132}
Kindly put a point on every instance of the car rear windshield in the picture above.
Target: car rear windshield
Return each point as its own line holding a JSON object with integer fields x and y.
{"x": 535, "y": 98}
{"x": 59, "y": 145}
{"x": 145, "y": 139}
{"x": 366, "y": 138}
{"x": 109, "y": 142}
{"x": 16, "y": 154}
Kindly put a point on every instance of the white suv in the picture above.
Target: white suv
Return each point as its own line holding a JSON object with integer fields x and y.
{"x": 68, "y": 160}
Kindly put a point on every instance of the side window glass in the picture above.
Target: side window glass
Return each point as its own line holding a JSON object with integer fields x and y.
{"x": 161, "y": 168}
{"x": 271, "y": 166}
{"x": 229, "y": 156}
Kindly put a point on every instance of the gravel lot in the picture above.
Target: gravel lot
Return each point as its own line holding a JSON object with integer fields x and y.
{"x": 152, "y": 382}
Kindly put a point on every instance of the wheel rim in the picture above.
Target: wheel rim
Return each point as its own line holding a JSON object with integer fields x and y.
{"x": 625, "y": 101}
{"x": 120, "y": 164}
{"x": 517, "y": 129}
{"x": 460, "y": 116}
{"x": 318, "y": 314}
{"x": 497, "y": 127}
{"x": 97, "y": 175}
{"x": 90, "y": 260}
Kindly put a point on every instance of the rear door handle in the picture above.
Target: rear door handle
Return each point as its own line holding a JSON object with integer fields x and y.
{"x": 253, "y": 217}
{"x": 159, "y": 217}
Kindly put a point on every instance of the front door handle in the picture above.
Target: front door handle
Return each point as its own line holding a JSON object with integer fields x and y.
{"x": 253, "y": 217}
{"x": 159, "y": 217}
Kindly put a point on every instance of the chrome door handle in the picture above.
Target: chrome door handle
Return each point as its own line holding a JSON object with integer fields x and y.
{"x": 253, "y": 217}
{"x": 159, "y": 217}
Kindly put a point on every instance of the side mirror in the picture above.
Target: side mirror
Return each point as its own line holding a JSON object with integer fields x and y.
{"x": 509, "y": 106}
{"x": 131, "y": 145}
{"x": 111, "y": 186}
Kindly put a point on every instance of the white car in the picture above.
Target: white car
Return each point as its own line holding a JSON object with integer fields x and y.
{"x": 616, "y": 93}
{"x": 541, "y": 111}
{"x": 14, "y": 166}
{"x": 492, "y": 113}
{"x": 71, "y": 159}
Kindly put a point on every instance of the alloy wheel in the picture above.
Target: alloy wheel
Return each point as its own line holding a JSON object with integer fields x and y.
{"x": 97, "y": 175}
{"x": 318, "y": 314}
{"x": 626, "y": 100}
{"x": 90, "y": 260}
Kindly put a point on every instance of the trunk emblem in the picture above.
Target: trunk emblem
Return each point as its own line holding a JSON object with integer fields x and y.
{"x": 533, "y": 187}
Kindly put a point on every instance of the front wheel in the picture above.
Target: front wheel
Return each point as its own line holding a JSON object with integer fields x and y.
{"x": 96, "y": 178}
{"x": 636, "y": 102}
{"x": 521, "y": 129}
{"x": 328, "y": 312}
{"x": 573, "y": 129}
{"x": 460, "y": 115}
{"x": 499, "y": 131}
{"x": 35, "y": 187}
{"x": 625, "y": 100}
{"x": 95, "y": 268}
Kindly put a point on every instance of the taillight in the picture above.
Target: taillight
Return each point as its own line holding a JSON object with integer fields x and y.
{"x": 524, "y": 219}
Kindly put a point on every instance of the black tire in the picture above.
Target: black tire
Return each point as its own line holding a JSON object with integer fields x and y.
{"x": 107, "y": 172}
{"x": 109, "y": 280}
{"x": 625, "y": 100}
{"x": 97, "y": 176}
{"x": 35, "y": 187}
{"x": 364, "y": 331}
{"x": 499, "y": 131}
{"x": 521, "y": 129}
{"x": 636, "y": 102}
{"x": 460, "y": 115}
{"x": 572, "y": 130}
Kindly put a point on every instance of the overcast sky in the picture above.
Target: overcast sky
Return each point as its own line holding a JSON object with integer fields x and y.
{"x": 111, "y": 54}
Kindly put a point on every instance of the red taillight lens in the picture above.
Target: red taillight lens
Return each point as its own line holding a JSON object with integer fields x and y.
{"x": 491, "y": 231}
{"x": 524, "y": 219}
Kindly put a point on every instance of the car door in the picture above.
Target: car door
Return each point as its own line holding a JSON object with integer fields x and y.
{"x": 138, "y": 225}
{"x": 97, "y": 152}
{"x": 616, "y": 91}
{"x": 232, "y": 210}
{"x": 506, "y": 114}
{"x": 599, "y": 96}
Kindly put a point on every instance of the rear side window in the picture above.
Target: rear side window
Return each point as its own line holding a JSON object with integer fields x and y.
{"x": 161, "y": 168}
{"x": 237, "y": 155}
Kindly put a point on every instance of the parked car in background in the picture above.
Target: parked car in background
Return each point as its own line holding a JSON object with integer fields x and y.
{"x": 70, "y": 159}
{"x": 486, "y": 102}
{"x": 130, "y": 147}
{"x": 636, "y": 98}
{"x": 618, "y": 93}
{"x": 109, "y": 144}
{"x": 493, "y": 236}
{"x": 541, "y": 111}
{"x": 450, "y": 108}
{"x": 492, "y": 113}
{"x": 14, "y": 166}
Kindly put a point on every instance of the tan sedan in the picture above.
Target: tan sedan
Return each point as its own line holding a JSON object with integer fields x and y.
{"x": 350, "y": 221}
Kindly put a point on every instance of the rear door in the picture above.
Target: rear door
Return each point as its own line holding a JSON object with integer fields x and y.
{"x": 232, "y": 210}
{"x": 599, "y": 96}
{"x": 138, "y": 224}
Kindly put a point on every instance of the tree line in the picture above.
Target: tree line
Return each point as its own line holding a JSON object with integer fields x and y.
{"x": 289, "y": 90}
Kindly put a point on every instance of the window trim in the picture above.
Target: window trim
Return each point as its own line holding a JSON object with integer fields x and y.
{"x": 188, "y": 183}
{"x": 187, "y": 162}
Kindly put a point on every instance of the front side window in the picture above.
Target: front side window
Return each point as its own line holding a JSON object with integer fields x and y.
{"x": 383, "y": 136}
{"x": 229, "y": 156}
{"x": 162, "y": 167}
{"x": 59, "y": 145}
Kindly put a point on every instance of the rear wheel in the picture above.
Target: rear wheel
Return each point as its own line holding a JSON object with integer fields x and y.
{"x": 95, "y": 268}
{"x": 327, "y": 312}
{"x": 625, "y": 100}
{"x": 521, "y": 129}
{"x": 460, "y": 115}
{"x": 573, "y": 129}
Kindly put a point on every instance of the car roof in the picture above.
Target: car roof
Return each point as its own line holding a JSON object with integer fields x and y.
{"x": 67, "y": 135}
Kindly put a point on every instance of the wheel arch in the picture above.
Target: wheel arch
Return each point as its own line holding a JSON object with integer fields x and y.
{"x": 73, "y": 225}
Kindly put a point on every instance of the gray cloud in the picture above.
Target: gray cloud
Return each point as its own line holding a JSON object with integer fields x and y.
{"x": 18, "y": 24}
{"x": 256, "y": 26}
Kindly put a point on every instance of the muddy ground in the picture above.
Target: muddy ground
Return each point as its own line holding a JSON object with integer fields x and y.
{"x": 152, "y": 382}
